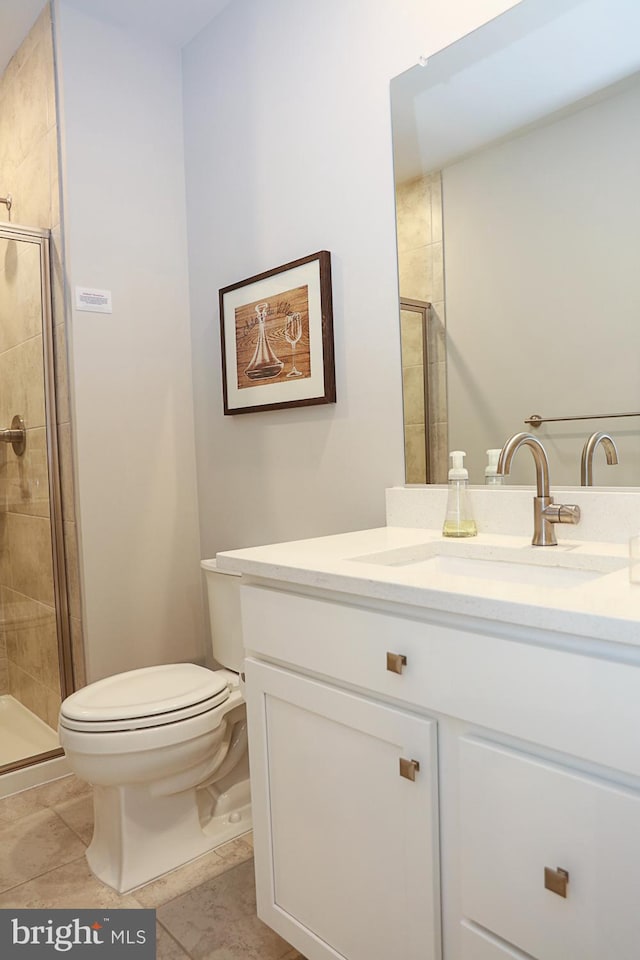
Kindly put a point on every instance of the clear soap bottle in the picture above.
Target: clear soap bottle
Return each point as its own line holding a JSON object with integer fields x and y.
{"x": 459, "y": 521}
{"x": 491, "y": 476}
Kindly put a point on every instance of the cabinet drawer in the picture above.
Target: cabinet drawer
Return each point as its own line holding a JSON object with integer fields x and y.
{"x": 338, "y": 641}
{"x": 520, "y": 815}
{"x": 531, "y": 692}
{"x": 476, "y": 944}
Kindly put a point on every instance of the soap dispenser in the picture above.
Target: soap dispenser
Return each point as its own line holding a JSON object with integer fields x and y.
{"x": 491, "y": 476}
{"x": 459, "y": 521}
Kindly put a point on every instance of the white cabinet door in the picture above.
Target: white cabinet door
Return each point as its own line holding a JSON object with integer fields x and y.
{"x": 346, "y": 847}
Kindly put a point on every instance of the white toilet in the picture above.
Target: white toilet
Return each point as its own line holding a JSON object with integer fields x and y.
{"x": 165, "y": 749}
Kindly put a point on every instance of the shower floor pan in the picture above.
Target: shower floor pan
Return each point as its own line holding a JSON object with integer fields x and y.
{"x": 22, "y": 734}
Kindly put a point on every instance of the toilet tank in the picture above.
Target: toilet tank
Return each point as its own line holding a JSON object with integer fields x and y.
{"x": 223, "y": 589}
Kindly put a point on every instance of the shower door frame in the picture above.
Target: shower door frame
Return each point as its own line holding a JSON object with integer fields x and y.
{"x": 42, "y": 238}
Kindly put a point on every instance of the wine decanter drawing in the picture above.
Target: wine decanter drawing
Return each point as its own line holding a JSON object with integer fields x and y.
{"x": 292, "y": 333}
{"x": 264, "y": 363}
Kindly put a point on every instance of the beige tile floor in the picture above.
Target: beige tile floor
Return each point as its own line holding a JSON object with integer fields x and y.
{"x": 205, "y": 910}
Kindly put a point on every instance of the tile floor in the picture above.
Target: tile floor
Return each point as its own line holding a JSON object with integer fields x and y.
{"x": 205, "y": 910}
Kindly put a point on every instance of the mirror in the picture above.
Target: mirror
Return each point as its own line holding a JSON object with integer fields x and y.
{"x": 516, "y": 157}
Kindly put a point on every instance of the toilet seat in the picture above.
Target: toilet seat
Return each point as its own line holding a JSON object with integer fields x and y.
{"x": 149, "y": 697}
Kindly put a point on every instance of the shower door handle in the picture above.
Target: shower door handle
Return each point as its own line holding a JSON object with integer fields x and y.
{"x": 16, "y": 435}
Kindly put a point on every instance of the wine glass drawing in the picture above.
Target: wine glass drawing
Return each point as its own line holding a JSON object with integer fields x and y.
{"x": 292, "y": 333}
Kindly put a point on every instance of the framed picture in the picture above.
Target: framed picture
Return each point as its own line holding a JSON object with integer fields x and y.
{"x": 277, "y": 338}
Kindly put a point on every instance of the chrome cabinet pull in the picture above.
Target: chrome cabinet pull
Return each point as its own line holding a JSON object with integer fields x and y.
{"x": 556, "y": 880}
{"x": 395, "y": 662}
{"x": 408, "y": 768}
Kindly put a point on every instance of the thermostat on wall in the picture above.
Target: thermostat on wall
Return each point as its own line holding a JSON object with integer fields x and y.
{"x": 92, "y": 300}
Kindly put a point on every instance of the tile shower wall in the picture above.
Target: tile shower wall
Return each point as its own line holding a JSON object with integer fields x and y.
{"x": 29, "y": 172}
{"x": 421, "y": 270}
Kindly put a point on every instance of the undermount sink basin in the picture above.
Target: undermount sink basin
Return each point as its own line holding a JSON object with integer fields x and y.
{"x": 555, "y": 567}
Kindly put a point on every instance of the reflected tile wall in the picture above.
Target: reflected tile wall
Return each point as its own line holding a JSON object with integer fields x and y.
{"x": 421, "y": 272}
{"x": 29, "y": 172}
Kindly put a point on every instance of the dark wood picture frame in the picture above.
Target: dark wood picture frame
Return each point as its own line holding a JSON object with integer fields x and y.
{"x": 276, "y": 332}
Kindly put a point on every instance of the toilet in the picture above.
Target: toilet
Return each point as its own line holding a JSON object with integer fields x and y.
{"x": 165, "y": 749}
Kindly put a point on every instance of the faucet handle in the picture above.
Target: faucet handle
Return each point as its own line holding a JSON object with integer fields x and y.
{"x": 562, "y": 513}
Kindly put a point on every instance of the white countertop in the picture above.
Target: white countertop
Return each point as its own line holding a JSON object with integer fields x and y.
{"x": 606, "y": 607}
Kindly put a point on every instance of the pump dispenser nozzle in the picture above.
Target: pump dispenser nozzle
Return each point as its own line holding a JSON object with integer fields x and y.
{"x": 459, "y": 521}
{"x": 458, "y": 470}
{"x": 491, "y": 475}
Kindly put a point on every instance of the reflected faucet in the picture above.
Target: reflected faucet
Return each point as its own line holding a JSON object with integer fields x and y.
{"x": 546, "y": 513}
{"x": 611, "y": 452}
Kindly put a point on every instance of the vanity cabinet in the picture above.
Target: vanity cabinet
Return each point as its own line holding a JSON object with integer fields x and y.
{"x": 521, "y": 829}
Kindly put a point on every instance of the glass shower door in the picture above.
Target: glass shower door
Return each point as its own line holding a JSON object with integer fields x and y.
{"x": 34, "y": 635}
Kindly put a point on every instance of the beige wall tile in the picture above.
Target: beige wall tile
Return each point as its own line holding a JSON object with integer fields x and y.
{"x": 411, "y": 338}
{"x": 437, "y": 381}
{"x": 437, "y": 333}
{"x": 413, "y": 392}
{"x": 28, "y": 487}
{"x": 439, "y": 449}
{"x": 57, "y": 278}
{"x": 413, "y": 206}
{"x": 37, "y": 698}
{"x": 415, "y": 453}
{"x": 437, "y": 272}
{"x": 31, "y": 557}
{"x": 32, "y": 91}
{"x": 28, "y": 691}
{"x": 77, "y": 648}
{"x": 436, "y": 207}
{"x": 61, "y": 374}
{"x": 20, "y": 295}
{"x": 66, "y": 471}
{"x": 33, "y": 642}
{"x": 32, "y": 190}
{"x": 4, "y": 675}
{"x": 421, "y": 272}
{"x": 52, "y": 712}
{"x": 73, "y": 576}
{"x": 22, "y": 377}
{"x": 54, "y": 183}
{"x": 5, "y": 554}
{"x": 415, "y": 273}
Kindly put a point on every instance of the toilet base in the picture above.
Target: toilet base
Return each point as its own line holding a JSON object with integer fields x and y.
{"x": 139, "y": 837}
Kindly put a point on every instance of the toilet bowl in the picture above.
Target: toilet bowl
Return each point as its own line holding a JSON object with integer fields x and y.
{"x": 165, "y": 749}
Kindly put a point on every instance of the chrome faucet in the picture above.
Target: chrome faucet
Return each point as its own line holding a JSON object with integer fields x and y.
{"x": 611, "y": 452}
{"x": 546, "y": 513}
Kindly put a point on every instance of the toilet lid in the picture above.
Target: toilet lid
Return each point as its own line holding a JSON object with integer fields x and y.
{"x": 150, "y": 696}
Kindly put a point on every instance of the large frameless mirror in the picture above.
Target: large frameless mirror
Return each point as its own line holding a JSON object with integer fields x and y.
{"x": 516, "y": 153}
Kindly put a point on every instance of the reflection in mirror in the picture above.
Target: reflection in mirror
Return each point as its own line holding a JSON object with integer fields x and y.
{"x": 516, "y": 153}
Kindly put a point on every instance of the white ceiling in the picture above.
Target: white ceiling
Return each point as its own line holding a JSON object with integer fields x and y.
{"x": 171, "y": 21}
